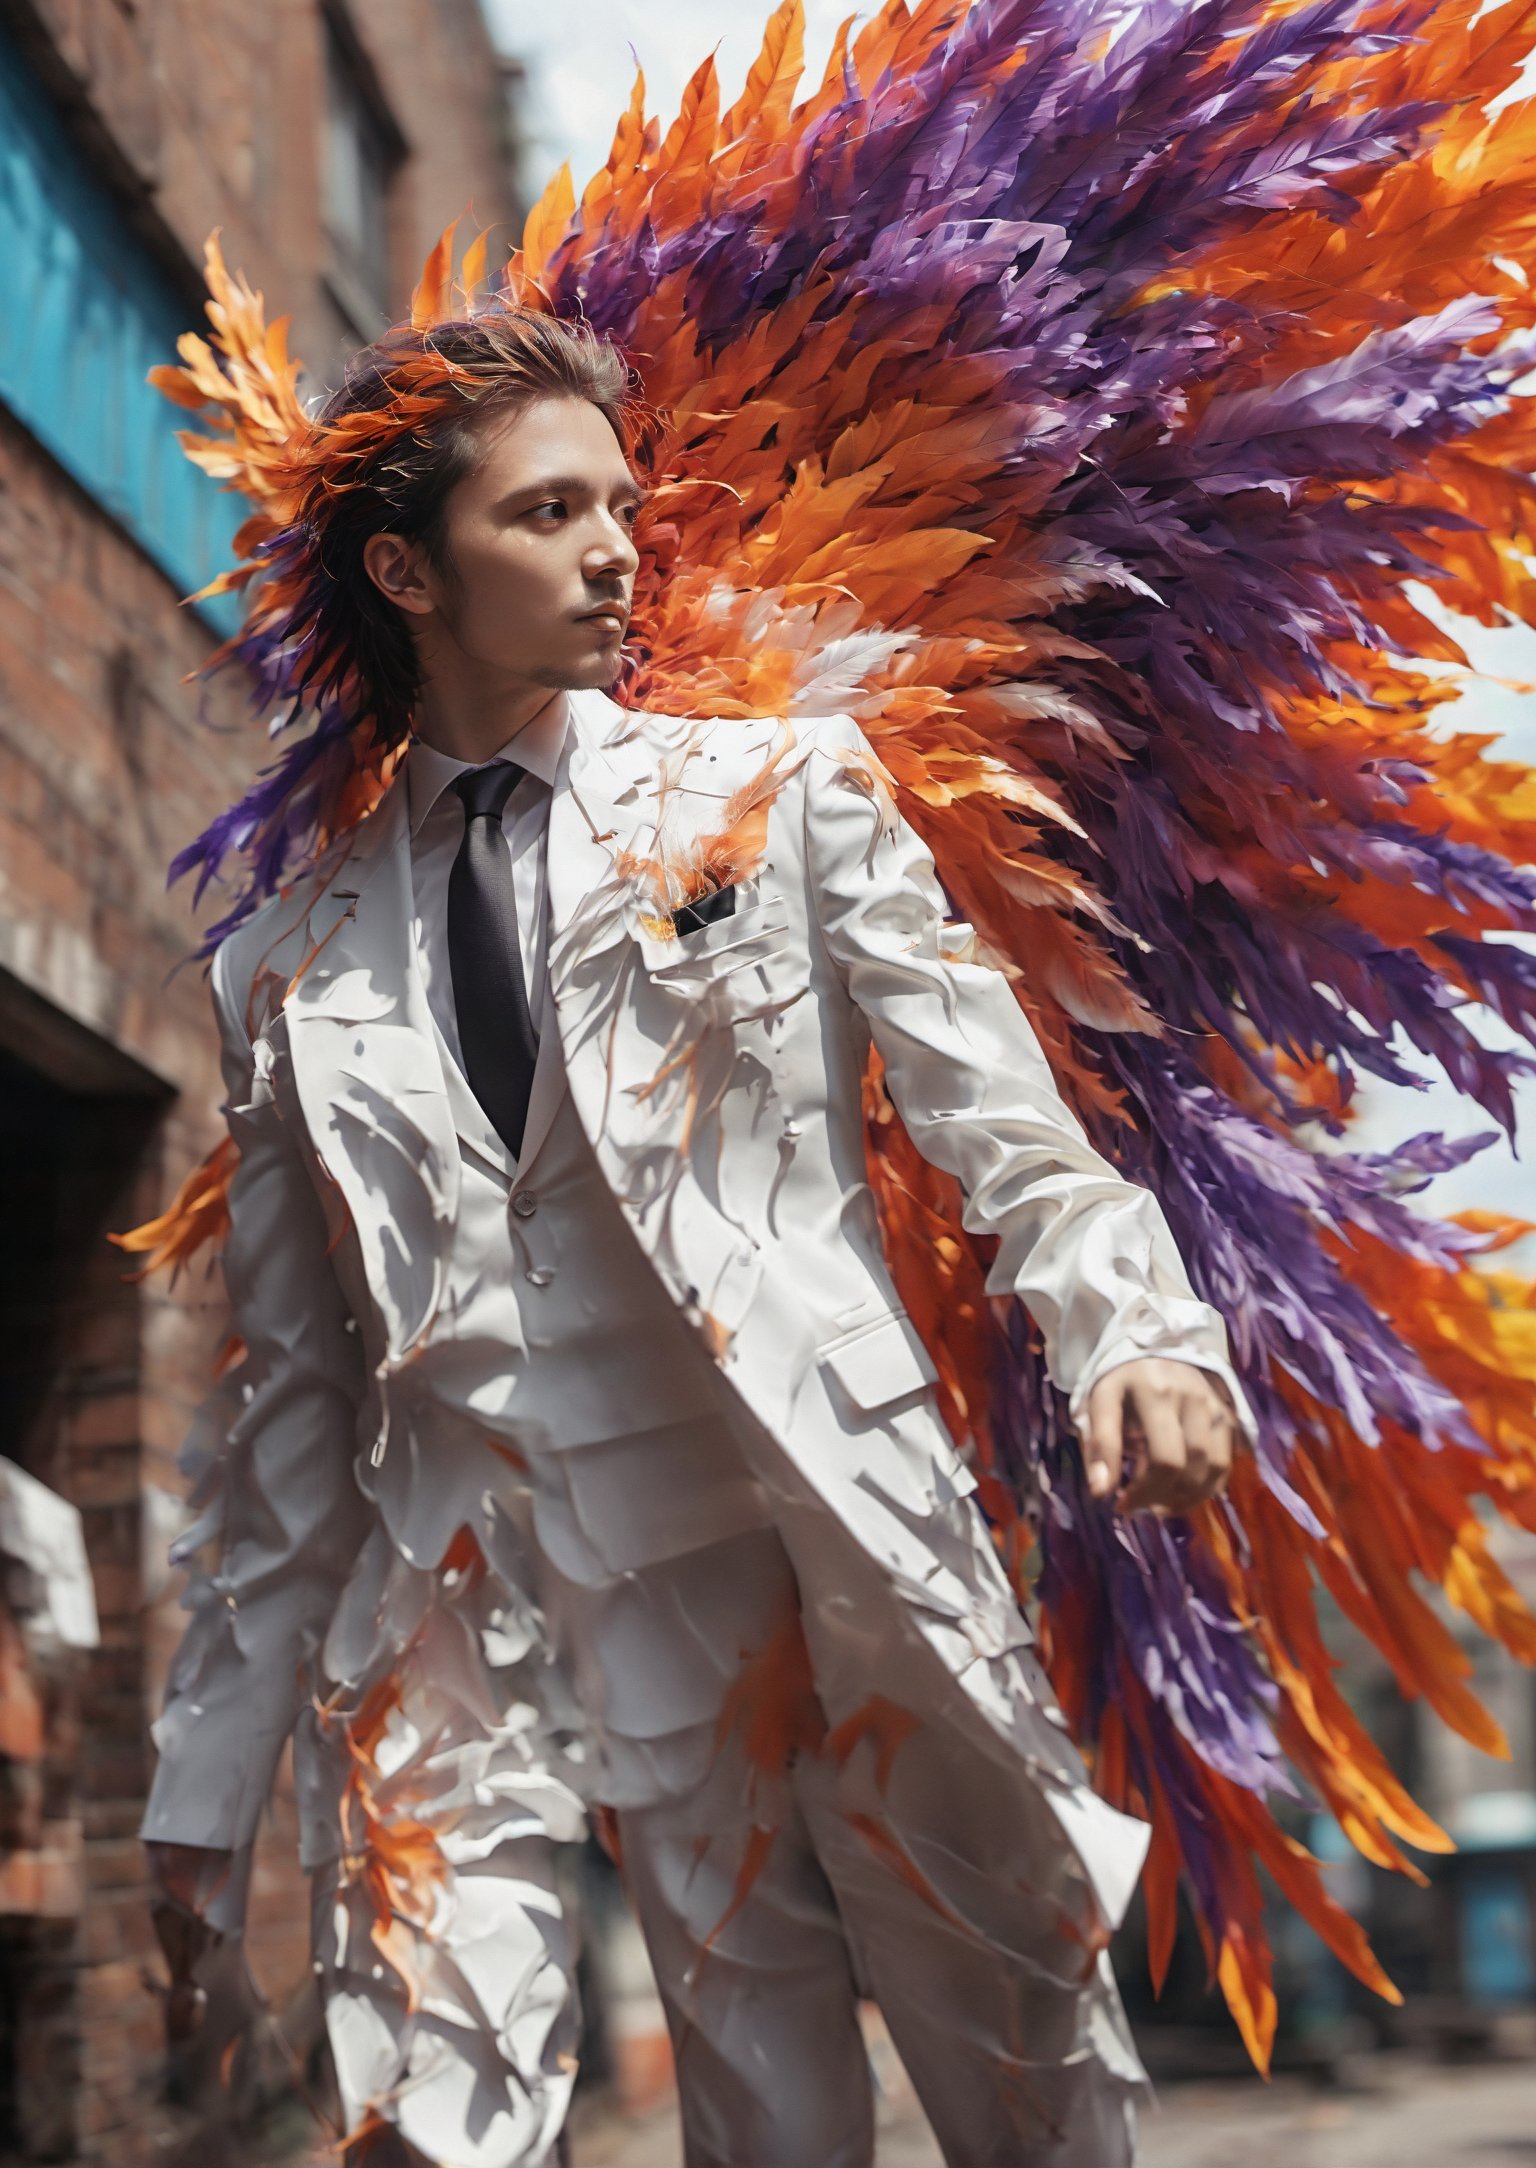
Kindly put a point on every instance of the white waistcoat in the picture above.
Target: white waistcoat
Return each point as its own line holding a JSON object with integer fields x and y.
{"x": 556, "y": 1333}
{"x": 553, "y": 1331}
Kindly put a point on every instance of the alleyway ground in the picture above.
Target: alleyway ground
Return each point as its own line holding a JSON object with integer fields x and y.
{"x": 1397, "y": 2112}
{"x": 1412, "y": 2116}
{"x": 1402, "y": 2115}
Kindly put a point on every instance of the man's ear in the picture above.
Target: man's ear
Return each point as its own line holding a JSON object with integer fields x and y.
{"x": 399, "y": 570}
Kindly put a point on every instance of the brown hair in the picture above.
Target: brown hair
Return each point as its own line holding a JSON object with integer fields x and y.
{"x": 497, "y": 362}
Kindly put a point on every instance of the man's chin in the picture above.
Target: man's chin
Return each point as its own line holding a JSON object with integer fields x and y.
{"x": 594, "y": 673}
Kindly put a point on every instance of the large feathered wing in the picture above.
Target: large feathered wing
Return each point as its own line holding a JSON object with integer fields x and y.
{"x": 1107, "y": 401}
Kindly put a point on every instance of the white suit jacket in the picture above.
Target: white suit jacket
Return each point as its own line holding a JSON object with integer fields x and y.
{"x": 718, "y": 1077}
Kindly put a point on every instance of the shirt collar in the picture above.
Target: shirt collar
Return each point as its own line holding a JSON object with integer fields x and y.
{"x": 536, "y": 748}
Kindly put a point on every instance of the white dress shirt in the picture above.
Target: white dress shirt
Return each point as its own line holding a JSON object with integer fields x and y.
{"x": 437, "y": 829}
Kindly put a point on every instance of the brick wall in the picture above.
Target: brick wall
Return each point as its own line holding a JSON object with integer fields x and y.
{"x": 197, "y": 113}
{"x": 210, "y": 113}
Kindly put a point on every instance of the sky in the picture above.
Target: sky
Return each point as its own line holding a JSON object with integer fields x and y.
{"x": 578, "y": 86}
{"x": 580, "y": 83}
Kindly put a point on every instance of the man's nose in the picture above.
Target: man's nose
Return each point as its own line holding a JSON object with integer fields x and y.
{"x": 615, "y": 551}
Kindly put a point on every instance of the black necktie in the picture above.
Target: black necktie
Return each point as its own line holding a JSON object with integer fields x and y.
{"x": 485, "y": 958}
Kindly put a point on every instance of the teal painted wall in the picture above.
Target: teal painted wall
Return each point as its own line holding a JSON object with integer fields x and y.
{"x": 84, "y": 314}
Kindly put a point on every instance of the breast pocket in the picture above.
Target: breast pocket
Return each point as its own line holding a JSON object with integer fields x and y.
{"x": 731, "y": 969}
{"x": 746, "y": 929}
{"x": 704, "y": 910}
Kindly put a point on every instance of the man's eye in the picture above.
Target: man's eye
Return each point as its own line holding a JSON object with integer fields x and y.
{"x": 555, "y": 508}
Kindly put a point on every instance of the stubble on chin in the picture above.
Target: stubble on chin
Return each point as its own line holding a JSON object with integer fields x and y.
{"x": 597, "y": 676}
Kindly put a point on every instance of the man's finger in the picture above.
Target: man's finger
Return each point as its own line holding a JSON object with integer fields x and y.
{"x": 1200, "y": 1445}
{"x": 1215, "y": 1424}
{"x": 1160, "y": 1482}
{"x": 186, "y": 2007}
{"x": 1105, "y": 1443}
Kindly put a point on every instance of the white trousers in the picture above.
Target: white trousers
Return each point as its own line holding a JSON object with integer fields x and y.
{"x": 762, "y": 1942}
{"x": 790, "y": 1842}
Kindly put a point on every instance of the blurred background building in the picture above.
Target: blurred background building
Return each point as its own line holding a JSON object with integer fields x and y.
{"x": 1460, "y": 1943}
{"x": 330, "y": 143}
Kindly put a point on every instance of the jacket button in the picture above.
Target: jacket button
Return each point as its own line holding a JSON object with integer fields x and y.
{"x": 525, "y": 1203}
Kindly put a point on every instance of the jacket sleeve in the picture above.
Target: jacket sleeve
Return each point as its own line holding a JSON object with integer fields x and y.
{"x": 270, "y": 1455}
{"x": 1089, "y": 1252}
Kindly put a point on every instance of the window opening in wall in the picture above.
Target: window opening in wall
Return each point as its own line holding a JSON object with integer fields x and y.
{"x": 72, "y": 1164}
{"x": 88, "y": 313}
{"x": 362, "y": 148}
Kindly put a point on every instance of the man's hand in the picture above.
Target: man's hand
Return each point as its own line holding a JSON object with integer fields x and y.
{"x": 183, "y": 1943}
{"x": 1170, "y": 1425}
{"x": 185, "y": 1877}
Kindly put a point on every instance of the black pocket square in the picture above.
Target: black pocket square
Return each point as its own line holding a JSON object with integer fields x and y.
{"x": 719, "y": 903}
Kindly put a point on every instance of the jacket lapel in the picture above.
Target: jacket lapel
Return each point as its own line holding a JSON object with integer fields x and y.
{"x": 596, "y": 813}
{"x": 385, "y": 1102}
{"x": 595, "y": 816}
{"x": 474, "y": 1129}
{"x": 630, "y": 1058}
{"x": 475, "y": 1133}
{"x": 369, "y": 1078}
{"x": 545, "y": 1097}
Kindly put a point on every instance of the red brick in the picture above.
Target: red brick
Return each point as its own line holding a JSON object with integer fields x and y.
{"x": 103, "y": 1419}
{"x": 214, "y": 109}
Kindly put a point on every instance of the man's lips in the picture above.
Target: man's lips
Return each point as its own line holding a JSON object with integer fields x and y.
{"x": 607, "y": 613}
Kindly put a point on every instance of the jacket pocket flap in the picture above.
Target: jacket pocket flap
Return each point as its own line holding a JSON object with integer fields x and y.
{"x": 881, "y": 1362}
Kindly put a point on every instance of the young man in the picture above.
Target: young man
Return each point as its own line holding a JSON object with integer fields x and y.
{"x": 582, "y": 1455}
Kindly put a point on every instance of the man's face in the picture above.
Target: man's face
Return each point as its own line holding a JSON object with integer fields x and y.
{"x": 541, "y": 555}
